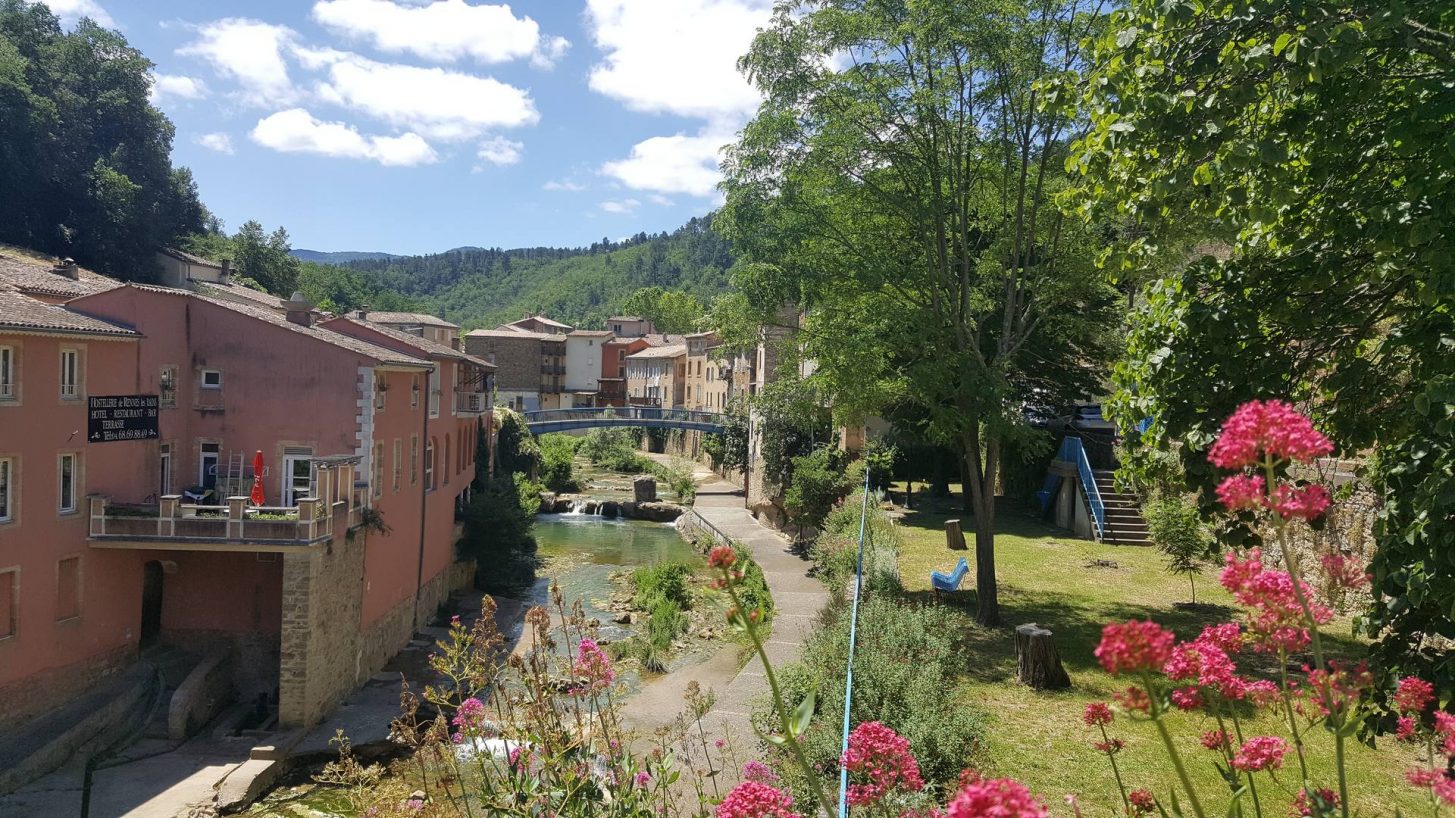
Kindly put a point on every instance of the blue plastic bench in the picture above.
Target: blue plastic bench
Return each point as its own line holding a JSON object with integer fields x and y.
{"x": 951, "y": 581}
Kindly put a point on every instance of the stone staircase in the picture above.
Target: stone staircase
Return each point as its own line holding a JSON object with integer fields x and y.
{"x": 174, "y": 664}
{"x": 1124, "y": 522}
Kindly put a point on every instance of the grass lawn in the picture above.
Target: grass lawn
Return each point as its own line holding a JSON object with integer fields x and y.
{"x": 1047, "y": 576}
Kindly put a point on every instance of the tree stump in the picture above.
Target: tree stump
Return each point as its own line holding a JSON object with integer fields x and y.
{"x": 1038, "y": 663}
{"x": 954, "y": 537}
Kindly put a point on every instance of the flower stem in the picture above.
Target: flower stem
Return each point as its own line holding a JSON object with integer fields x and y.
{"x": 1172, "y": 750}
{"x": 778, "y": 706}
{"x": 1116, "y": 771}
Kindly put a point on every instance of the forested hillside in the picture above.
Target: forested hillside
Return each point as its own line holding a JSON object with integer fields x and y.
{"x": 477, "y": 287}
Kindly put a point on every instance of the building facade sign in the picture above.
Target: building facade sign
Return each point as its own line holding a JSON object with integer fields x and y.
{"x": 122, "y": 417}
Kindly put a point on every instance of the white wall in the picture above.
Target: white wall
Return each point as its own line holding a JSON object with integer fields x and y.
{"x": 583, "y": 363}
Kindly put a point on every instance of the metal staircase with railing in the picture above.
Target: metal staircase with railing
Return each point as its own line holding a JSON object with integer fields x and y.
{"x": 1124, "y": 524}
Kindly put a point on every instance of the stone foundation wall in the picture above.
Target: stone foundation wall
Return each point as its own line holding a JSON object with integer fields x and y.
{"x": 27, "y": 698}
{"x": 322, "y": 603}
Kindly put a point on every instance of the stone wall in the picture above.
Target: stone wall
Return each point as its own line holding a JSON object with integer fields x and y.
{"x": 325, "y": 654}
{"x": 19, "y": 702}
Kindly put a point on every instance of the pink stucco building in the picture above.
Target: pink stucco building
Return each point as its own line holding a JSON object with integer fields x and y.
{"x": 108, "y": 547}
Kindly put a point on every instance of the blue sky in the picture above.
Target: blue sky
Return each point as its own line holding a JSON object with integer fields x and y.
{"x": 412, "y": 126}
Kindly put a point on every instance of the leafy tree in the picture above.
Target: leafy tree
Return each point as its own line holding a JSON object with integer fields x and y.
{"x": 669, "y": 310}
{"x": 906, "y": 202}
{"x": 818, "y": 482}
{"x": 516, "y": 449}
{"x": 557, "y": 452}
{"x": 1311, "y": 140}
{"x": 85, "y": 162}
{"x": 265, "y": 258}
{"x": 1177, "y": 530}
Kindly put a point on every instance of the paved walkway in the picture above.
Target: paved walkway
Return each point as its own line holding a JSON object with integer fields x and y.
{"x": 797, "y": 600}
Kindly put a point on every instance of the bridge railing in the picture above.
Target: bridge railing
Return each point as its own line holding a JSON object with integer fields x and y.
{"x": 625, "y": 414}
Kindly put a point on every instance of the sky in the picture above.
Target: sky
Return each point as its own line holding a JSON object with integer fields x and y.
{"x": 415, "y": 126}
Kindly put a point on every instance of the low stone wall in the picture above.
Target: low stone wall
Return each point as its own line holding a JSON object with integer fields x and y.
{"x": 202, "y": 695}
{"x": 655, "y": 511}
{"x": 27, "y": 698}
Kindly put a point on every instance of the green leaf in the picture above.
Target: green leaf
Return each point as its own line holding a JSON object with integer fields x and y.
{"x": 803, "y": 714}
{"x": 1282, "y": 42}
{"x": 1126, "y": 37}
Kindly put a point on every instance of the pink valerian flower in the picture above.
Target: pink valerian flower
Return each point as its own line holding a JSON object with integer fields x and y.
{"x": 1187, "y": 698}
{"x": 1404, "y": 729}
{"x": 1143, "y": 802}
{"x": 1342, "y": 572}
{"x": 1444, "y": 723}
{"x": 1133, "y": 699}
{"x": 1335, "y": 690}
{"x": 1097, "y": 714}
{"x": 1276, "y": 619}
{"x": 1435, "y": 780}
{"x": 722, "y": 556}
{"x": 1267, "y": 427}
{"x": 1413, "y": 695}
{"x": 1216, "y": 740}
{"x": 753, "y": 800}
{"x": 1260, "y": 753}
{"x": 469, "y": 714}
{"x": 883, "y": 757}
{"x": 1228, "y": 637}
{"x": 592, "y": 665}
{"x": 995, "y": 798}
{"x": 1134, "y": 646}
{"x": 1323, "y": 802}
{"x": 1111, "y": 746}
{"x": 758, "y": 771}
{"x": 1240, "y": 491}
{"x": 1262, "y": 692}
{"x": 1306, "y": 503}
{"x": 1204, "y": 662}
{"x": 642, "y": 779}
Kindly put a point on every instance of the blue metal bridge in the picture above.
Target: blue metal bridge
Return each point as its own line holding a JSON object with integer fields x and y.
{"x": 649, "y": 417}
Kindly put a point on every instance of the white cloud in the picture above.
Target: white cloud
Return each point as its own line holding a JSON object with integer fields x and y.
{"x": 549, "y": 51}
{"x": 220, "y": 142}
{"x": 623, "y": 206}
{"x": 440, "y": 31}
{"x": 437, "y": 103}
{"x": 177, "y": 87}
{"x": 676, "y": 56}
{"x": 297, "y": 131}
{"x": 672, "y": 164}
{"x": 71, "y": 11}
{"x": 565, "y": 184}
{"x": 498, "y": 150}
{"x": 659, "y": 199}
{"x": 250, "y": 52}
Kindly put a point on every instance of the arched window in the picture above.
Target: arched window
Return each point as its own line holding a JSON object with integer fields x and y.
{"x": 429, "y": 465}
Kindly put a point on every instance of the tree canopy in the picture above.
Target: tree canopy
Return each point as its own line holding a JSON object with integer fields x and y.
{"x": 668, "y": 310}
{"x": 898, "y": 185}
{"x": 85, "y": 160}
{"x": 1311, "y": 142}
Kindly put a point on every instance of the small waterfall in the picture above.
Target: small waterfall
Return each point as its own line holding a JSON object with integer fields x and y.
{"x": 577, "y": 509}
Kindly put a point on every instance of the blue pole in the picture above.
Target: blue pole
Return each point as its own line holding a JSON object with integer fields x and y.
{"x": 853, "y": 637}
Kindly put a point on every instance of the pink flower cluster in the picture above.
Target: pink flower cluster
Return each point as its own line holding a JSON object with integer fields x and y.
{"x": 1413, "y": 695}
{"x": 1336, "y": 690}
{"x": 1277, "y": 620}
{"x": 592, "y": 665}
{"x": 1260, "y": 753}
{"x": 1133, "y": 646}
{"x": 1267, "y": 427}
{"x": 995, "y": 798}
{"x": 1323, "y": 802}
{"x": 758, "y": 771}
{"x": 752, "y": 799}
{"x": 883, "y": 757}
{"x": 1097, "y": 714}
{"x": 1143, "y": 802}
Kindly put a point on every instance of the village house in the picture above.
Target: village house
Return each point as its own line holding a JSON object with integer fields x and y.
{"x": 629, "y": 326}
{"x": 530, "y": 367}
{"x": 611, "y": 390}
{"x": 656, "y": 376}
{"x": 136, "y": 533}
{"x": 422, "y": 324}
{"x": 584, "y": 365}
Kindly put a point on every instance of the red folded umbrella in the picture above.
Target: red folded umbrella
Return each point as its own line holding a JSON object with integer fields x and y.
{"x": 257, "y": 495}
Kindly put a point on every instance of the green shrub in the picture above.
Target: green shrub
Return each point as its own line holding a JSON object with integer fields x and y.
{"x": 557, "y": 455}
{"x": 516, "y": 449}
{"x": 666, "y": 580}
{"x": 1176, "y": 528}
{"x": 817, "y": 483}
{"x": 903, "y": 676}
{"x": 498, "y": 532}
{"x": 753, "y": 590}
{"x": 836, "y": 551}
{"x": 677, "y": 476}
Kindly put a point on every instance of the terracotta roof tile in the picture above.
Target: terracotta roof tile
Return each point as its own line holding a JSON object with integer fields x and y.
{"x": 21, "y": 312}
{"x": 424, "y": 345}
{"x": 407, "y": 318}
{"x": 35, "y": 276}
{"x": 672, "y": 351}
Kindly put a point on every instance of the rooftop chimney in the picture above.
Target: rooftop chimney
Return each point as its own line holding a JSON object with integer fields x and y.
{"x": 226, "y": 271}
{"x": 363, "y": 313}
{"x": 67, "y": 267}
{"x": 299, "y": 310}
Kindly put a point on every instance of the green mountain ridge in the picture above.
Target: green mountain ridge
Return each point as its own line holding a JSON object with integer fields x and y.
{"x": 479, "y": 287}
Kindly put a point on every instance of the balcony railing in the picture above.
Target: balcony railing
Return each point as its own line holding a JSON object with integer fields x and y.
{"x": 471, "y": 403}
{"x": 235, "y": 526}
{"x": 552, "y": 369}
{"x": 7, "y": 391}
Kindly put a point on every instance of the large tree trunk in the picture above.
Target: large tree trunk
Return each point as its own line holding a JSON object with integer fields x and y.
{"x": 980, "y": 488}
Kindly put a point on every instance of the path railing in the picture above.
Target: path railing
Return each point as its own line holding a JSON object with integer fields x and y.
{"x": 547, "y": 420}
